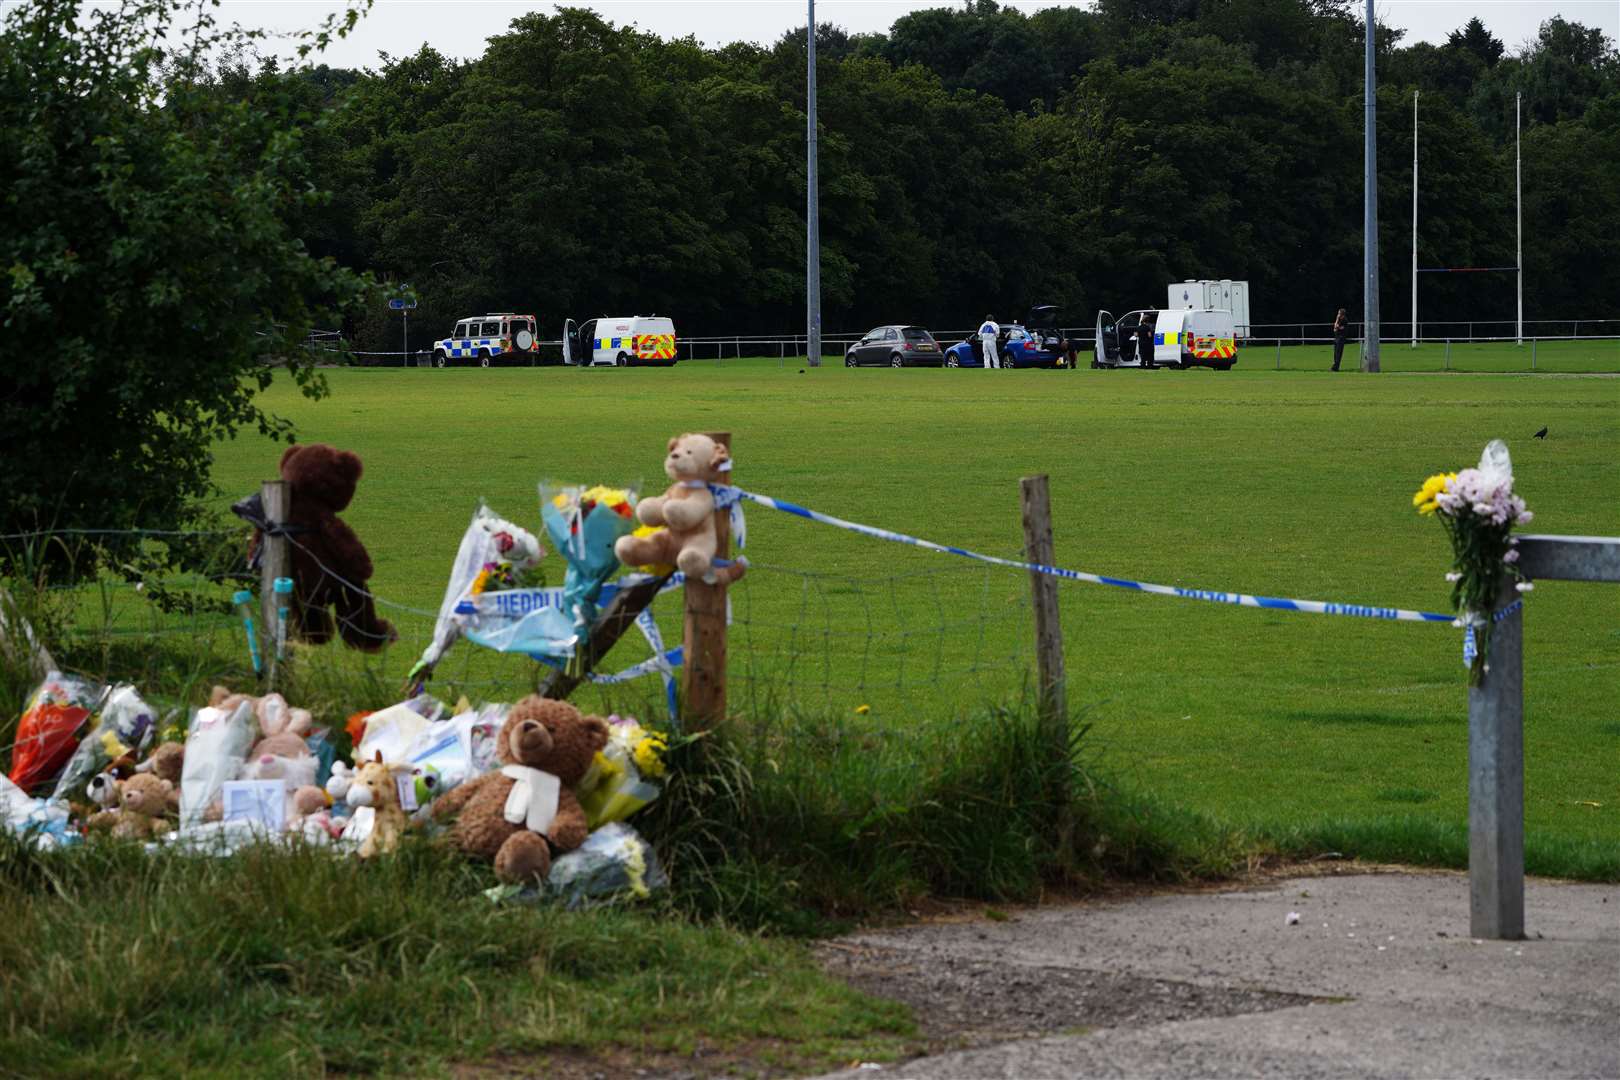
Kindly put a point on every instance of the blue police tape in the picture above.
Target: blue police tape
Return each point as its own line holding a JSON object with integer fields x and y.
{"x": 1316, "y": 607}
{"x": 1470, "y": 642}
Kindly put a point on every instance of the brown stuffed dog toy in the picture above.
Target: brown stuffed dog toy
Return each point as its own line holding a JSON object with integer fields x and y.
{"x": 686, "y": 510}
{"x": 526, "y": 811}
{"x": 330, "y": 565}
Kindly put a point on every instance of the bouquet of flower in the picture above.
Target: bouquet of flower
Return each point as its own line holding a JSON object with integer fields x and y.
{"x": 48, "y": 732}
{"x": 584, "y": 523}
{"x": 494, "y": 555}
{"x": 618, "y": 782}
{"x": 1478, "y": 509}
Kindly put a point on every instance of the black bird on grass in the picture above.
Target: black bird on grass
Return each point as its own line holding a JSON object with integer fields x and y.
{"x": 1542, "y": 434}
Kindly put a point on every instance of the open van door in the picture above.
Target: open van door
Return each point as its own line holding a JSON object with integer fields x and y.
{"x": 1107, "y": 347}
{"x": 579, "y": 342}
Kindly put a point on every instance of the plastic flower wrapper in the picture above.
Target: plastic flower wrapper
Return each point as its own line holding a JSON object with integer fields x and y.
{"x": 47, "y": 734}
{"x": 217, "y": 744}
{"x": 1478, "y": 509}
{"x": 614, "y": 861}
{"x": 583, "y": 524}
{"x": 40, "y": 822}
{"x": 619, "y": 781}
{"x": 124, "y": 725}
{"x": 494, "y": 555}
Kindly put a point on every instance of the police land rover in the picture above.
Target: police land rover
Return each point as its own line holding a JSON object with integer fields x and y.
{"x": 484, "y": 337}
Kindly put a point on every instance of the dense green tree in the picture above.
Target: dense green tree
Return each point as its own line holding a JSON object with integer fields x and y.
{"x": 1479, "y": 42}
{"x": 152, "y": 271}
{"x": 973, "y": 156}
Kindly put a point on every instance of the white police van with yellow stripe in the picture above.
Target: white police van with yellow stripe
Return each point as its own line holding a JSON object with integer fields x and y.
{"x": 626, "y": 341}
{"x": 1173, "y": 338}
{"x": 481, "y": 338}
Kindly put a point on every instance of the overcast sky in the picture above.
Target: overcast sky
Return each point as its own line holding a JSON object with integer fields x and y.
{"x": 459, "y": 28}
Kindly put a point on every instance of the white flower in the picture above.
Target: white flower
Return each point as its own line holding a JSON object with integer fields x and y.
{"x": 1511, "y": 557}
{"x": 1454, "y": 576}
{"x": 1525, "y": 518}
{"x": 1525, "y": 586}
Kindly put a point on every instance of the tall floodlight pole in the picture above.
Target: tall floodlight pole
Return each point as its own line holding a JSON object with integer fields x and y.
{"x": 1369, "y": 247}
{"x": 812, "y": 262}
{"x": 1518, "y": 211}
{"x": 1414, "y": 218}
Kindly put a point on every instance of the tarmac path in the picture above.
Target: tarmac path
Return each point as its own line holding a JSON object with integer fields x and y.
{"x": 1378, "y": 977}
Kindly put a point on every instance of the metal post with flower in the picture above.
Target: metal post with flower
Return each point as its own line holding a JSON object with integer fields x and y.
{"x": 1479, "y": 509}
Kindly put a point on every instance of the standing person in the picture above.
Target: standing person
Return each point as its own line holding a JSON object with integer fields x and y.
{"x": 1339, "y": 327}
{"x": 987, "y": 336}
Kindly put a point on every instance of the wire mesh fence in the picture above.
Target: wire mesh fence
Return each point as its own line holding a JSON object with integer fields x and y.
{"x": 940, "y": 638}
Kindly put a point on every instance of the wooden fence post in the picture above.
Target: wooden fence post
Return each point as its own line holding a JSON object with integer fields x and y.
{"x": 1035, "y": 501}
{"x": 275, "y": 563}
{"x": 705, "y": 632}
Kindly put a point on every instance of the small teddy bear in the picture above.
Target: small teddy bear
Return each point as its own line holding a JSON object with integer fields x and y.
{"x": 142, "y": 801}
{"x": 525, "y": 812}
{"x": 686, "y": 510}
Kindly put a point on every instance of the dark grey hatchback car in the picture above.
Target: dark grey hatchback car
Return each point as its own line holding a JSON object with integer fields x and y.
{"x": 895, "y": 346}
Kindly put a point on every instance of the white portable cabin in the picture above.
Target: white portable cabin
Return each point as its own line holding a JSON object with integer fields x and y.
{"x": 1209, "y": 294}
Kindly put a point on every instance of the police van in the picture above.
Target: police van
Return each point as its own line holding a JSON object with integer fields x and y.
{"x": 626, "y": 341}
{"x": 1166, "y": 337}
{"x": 484, "y": 337}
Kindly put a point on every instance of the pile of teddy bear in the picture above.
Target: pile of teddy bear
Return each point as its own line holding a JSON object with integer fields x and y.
{"x": 537, "y": 788}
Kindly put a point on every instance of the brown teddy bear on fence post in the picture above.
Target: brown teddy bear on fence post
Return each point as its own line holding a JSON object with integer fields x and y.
{"x": 330, "y": 566}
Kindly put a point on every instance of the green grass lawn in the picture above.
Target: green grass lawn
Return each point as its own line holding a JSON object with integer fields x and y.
{"x": 1289, "y": 484}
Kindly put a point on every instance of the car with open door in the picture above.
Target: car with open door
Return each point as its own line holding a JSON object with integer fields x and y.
{"x": 895, "y": 346}
{"x": 1018, "y": 346}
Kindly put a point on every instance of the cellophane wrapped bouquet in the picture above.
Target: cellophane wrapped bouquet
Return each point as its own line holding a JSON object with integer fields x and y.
{"x": 620, "y": 780}
{"x": 584, "y": 523}
{"x": 1478, "y": 509}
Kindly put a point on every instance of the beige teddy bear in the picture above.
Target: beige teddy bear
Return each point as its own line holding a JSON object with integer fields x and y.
{"x": 142, "y": 800}
{"x": 686, "y": 512}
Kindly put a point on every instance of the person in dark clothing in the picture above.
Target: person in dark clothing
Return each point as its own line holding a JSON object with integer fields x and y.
{"x": 1339, "y": 327}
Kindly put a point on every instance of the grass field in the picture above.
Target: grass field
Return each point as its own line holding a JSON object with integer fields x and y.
{"x": 1290, "y": 484}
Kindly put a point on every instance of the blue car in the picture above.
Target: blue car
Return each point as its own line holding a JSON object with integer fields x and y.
{"x": 1019, "y": 348}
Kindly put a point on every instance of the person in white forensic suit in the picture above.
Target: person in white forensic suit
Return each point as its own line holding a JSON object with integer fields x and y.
{"x": 987, "y": 336}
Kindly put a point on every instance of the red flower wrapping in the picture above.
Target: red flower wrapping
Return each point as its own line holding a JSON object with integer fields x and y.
{"x": 46, "y": 738}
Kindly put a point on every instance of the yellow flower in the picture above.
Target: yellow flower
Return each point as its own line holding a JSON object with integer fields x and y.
{"x": 647, "y": 755}
{"x": 655, "y": 569}
{"x": 605, "y": 495}
{"x": 862, "y": 710}
{"x": 1424, "y": 499}
{"x": 480, "y": 583}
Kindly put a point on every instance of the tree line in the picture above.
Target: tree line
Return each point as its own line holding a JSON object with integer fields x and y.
{"x": 972, "y": 158}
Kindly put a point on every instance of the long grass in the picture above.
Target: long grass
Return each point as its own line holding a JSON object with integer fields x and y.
{"x": 291, "y": 963}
